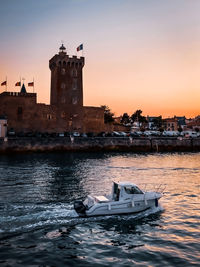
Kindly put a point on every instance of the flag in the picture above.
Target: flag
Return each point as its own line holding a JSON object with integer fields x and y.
{"x": 4, "y": 83}
{"x": 80, "y": 47}
{"x": 31, "y": 84}
{"x": 18, "y": 84}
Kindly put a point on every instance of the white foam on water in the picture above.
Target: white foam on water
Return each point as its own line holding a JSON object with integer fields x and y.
{"x": 58, "y": 214}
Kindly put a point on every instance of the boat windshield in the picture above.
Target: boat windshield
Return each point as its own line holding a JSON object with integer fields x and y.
{"x": 89, "y": 201}
{"x": 132, "y": 190}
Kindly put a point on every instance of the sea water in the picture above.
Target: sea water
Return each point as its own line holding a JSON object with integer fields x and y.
{"x": 39, "y": 227}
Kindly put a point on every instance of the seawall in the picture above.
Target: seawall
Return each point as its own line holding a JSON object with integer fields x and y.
{"x": 142, "y": 144}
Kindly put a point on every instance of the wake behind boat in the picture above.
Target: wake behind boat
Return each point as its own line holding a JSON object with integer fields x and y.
{"x": 125, "y": 198}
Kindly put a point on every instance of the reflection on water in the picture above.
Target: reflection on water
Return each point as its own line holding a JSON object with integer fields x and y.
{"x": 38, "y": 225}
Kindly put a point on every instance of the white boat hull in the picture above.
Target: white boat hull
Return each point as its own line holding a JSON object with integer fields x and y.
{"x": 113, "y": 208}
{"x": 125, "y": 198}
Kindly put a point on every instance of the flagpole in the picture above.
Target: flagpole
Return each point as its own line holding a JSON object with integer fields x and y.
{"x": 6, "y": 83}
{"x": 33, "y": 85}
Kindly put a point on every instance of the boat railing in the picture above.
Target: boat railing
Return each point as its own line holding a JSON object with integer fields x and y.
{"x": 158, "y": 188}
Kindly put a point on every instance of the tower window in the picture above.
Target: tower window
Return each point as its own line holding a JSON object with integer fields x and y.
{"x": 49, "y": 117}
{"x": 74, "y": 85}
{"x": 74, "y": 73}
{"x": 74, "y": 100}
{"x": 64, "y": 63}
{"x": 63, "y": 71}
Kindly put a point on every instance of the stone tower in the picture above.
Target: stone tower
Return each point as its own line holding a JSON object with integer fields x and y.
{"x": 67, "y": 88}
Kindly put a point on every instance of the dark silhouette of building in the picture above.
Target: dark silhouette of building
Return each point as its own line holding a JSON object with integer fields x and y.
{"x": 65, "y": 112}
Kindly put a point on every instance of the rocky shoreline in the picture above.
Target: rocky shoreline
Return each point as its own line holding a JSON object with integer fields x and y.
{"x": 142, "y": 144}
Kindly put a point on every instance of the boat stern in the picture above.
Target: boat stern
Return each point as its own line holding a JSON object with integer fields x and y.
{"x": 79, "y": 207}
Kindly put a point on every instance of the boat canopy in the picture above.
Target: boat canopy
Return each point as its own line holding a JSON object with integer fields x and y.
{"x": 127, "y": 188}
{"x": 132, "y": 189}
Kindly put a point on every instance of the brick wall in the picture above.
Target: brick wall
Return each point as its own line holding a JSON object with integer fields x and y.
{"x": 94, "y": 119}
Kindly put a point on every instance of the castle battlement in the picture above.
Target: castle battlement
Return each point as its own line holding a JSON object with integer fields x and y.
{"x": 18, "y": 94}
{"x": 65, "y": 112}
{"x": 64, "y": 60}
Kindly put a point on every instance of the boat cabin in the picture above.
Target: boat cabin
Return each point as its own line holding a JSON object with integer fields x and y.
{"x": 124, "y": 190}
{"x": 120, "y": 191}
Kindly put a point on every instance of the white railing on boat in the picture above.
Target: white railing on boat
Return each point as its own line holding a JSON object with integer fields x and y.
{"x": 145, "y": 187}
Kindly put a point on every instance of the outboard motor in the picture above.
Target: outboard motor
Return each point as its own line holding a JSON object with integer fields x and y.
{"x": 79, "y": 207}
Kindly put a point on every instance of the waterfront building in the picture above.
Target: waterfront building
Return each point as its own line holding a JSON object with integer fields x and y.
{"x": 193, "y": 124}
{"x": 65, "y": 112}
{"x": 170, "y": 124}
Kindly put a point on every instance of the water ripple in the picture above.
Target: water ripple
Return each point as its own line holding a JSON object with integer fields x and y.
{"x": 39, "y": 226}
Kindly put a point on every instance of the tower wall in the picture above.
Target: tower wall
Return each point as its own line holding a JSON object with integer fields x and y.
{"x": 67, "y": 89}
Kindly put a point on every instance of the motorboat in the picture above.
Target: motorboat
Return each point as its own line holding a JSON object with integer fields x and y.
{"x": 125, "y": 198}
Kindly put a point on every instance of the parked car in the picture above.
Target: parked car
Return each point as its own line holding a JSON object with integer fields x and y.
{"x": 53, "y": 134}
{"x": 83, "y": 135}
{"x": 189, "y": 134}
{"x": 30, "y": 134}
{"x": 67, "y": 133}
{"x": 20, "y": 134}
{"x": 139, "y": 133}
{"x": 123, "y": 134}
{"x": 152, "y": 133}
{"x": 116, "y": 134}
{"x": 134, "y": 134}
{"x": 45, "y": 135}
{"x": 109, "y": 135}
{"x": 101, "y": 134}
{"x": 147, "y": 133}
{"x": 11, "y": 132}
{"x": 76, "y": 134}
{"x": 170, "y": 133}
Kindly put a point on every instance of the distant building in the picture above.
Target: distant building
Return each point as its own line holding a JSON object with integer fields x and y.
{"x": 154, "y": 123}
{"x": 193, "y": 124}
{"x": 65, "y": 112}
{"x": 181, "y": 121}
{"x": 170, "y": 124}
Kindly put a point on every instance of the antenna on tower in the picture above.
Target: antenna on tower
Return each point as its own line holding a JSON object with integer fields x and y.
{"x": 23, "y": 79}
{"x": 62, "y": 48}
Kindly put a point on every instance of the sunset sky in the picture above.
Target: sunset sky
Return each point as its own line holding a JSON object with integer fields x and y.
{"x": 139, "y": 54}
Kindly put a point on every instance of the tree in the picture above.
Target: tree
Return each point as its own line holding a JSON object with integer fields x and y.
{"x": 180, "y": 129}
{"x": 125, "y": 119}
{"x": 157, "y": 122}
{"x": 138, "y": 117}
{"x": 108, "y": 115}
{"x": 161, "y": 129}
